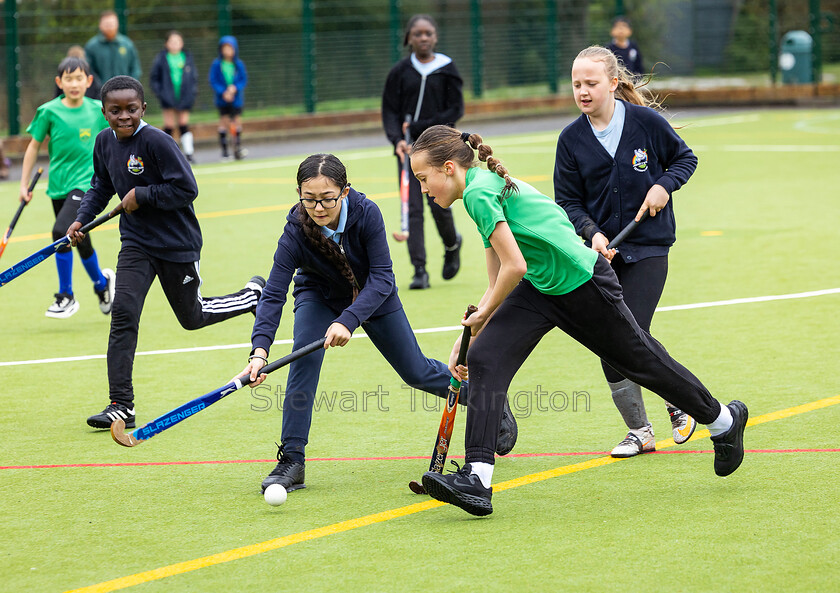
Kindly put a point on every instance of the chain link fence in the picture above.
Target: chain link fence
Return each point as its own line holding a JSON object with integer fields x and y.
{"x": 322, "y": 55}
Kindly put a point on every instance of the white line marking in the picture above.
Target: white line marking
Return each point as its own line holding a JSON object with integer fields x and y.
{"x": 795, "y": 148}
{"x": 716, "y": 121}
{"x": 764, "y": 299}
{"x": 430, "y": 330}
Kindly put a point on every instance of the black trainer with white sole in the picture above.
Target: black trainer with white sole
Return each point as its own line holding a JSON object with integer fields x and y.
{"x": 729, "y": 446}
{"x": 64, "y": 306}
{"x": 508, "y": 431}
{"x": 290, "y": 474}
{"x": 461, "y": 489}
{"x": 106, "y": 295}
{"x": 111, "y": 414}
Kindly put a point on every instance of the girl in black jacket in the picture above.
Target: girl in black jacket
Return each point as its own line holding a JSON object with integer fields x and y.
{"x": 427, "y": 87}
{"x": 173, "y": 81}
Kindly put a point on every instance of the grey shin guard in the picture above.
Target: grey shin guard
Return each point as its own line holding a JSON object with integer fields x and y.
{"x": 627, "y": 396}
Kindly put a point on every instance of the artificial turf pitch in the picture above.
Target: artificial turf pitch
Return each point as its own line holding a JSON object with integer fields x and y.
{"x": 755, "y": 220}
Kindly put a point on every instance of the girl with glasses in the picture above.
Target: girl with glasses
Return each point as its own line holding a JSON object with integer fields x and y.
{"x": 335, "y": 250}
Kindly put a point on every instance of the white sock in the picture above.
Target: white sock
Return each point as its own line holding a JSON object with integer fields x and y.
{"x": 187, "y": 143}
{"x": 484, "y": 471}
{"x": 722, "y": 423}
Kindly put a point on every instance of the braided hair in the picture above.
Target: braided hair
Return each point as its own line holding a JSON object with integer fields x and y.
{"x": 330, "y": 167}
{"x": 443, "y": 143}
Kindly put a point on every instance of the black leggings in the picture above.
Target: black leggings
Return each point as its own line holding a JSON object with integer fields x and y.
{"x": 595, "y": 315}
{"x": 65, "y": 214}
{"x": 642, "y": 283}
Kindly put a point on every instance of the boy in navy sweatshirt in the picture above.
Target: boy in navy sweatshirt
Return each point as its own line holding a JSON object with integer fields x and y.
{"x": 159, "y": 233}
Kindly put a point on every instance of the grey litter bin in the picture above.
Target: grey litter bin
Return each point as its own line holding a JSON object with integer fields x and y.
{"x": 795, "y": 57}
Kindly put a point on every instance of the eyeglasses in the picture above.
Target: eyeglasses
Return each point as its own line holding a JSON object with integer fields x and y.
{"x": 326, "y": 203}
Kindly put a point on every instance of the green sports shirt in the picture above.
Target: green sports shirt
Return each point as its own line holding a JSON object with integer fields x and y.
{"x": 557, "y": 260}
{"x": 176, "y": 71}
{"x": 72, "y": 132}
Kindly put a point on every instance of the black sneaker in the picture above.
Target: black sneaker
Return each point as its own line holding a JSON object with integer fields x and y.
{"x": 240, "y": 153}
{"x": 452, "y": 259}
{"x": 508, "y": 431}
{"x": 729, "y": 446}
{"x": 111, "y": 414}
{"x": 106, "y": 295}
{"x": 64, "y": 306}
{"x": 420, "y": 280}
{"x": 461, "y": 489}
{"x": 288, "y": 473}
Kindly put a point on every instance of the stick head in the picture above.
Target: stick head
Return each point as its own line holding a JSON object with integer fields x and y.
{"x": 120, "y": 437}
{"x": 416, "y": 487}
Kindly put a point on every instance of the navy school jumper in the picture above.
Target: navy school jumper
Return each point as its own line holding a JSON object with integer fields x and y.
{"x": 603, "y": 194}
{"x": 323, "y": 296}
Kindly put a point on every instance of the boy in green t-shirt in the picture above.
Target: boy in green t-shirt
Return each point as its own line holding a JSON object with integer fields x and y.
{"x": 72, "y": 122}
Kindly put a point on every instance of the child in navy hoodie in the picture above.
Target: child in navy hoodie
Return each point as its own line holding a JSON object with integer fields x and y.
{"x": 159, "y": 233}
{"x": 229, "y": 78}
{"x": 617, "y": 160}
{"x": 335, "y": 249}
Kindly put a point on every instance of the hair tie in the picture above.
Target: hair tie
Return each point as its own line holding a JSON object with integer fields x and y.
{"x": 465, "y": 136}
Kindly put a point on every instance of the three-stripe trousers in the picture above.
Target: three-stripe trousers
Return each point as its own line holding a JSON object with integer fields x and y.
{"x": 181, "y": 283}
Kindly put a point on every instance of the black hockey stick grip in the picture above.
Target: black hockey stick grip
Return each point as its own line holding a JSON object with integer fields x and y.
{"x": 625, "y": 232}
{"x": 102, "y": 219}
{"x": 32, "y": 185}
{"x": 289, "y": 358}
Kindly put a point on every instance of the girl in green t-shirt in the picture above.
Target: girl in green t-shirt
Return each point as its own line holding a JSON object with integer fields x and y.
{"x": 72, "y": 122}
{"x": 540, "y": 277}
{"x": 174, "y": 82}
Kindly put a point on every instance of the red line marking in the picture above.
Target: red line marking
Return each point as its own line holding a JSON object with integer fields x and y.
{"x": 405, "y": 458}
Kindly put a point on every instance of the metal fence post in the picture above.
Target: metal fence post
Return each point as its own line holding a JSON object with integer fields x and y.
{"x": 394, "y": 26}
{"x": 224, "y": 17}
{"x": 477, "y": 47}
{"x": 551, "y": 45}
{"x": 12, "y": 65}
{"x": 122, "y": 15}
{"x": 309, "y": 65}
{"x": 773, "y": 22}
{"x": 815, "y": 29}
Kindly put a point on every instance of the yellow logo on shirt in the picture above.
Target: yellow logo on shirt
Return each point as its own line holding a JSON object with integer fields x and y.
{"x": 123, "y": 51}
{"x": 84, "y": 133}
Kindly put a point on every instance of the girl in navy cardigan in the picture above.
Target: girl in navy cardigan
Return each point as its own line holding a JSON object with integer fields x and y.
{"x": 618, "y": 159}
{"x": 335, "y": 249}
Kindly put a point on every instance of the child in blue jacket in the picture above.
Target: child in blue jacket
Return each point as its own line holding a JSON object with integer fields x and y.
{"x": 618, "y": 159}
{"x": 335, "y": 249}
{"x": 229, "y": 78}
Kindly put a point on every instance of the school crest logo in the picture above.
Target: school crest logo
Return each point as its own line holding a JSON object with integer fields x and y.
{"x": 640, "y": 159}
{"x": 84, "y": 133}
{"x": 135, "y": 165}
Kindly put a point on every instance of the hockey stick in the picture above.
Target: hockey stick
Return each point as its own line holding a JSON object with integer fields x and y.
{"x": 404, "y": 187}
{"x": 447, "y": 422}
{"x": 5, "y": 240}
{"x": 194, "y": 406}
{"x": 625, "y": 232}
{"x": 36, "y": 258}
